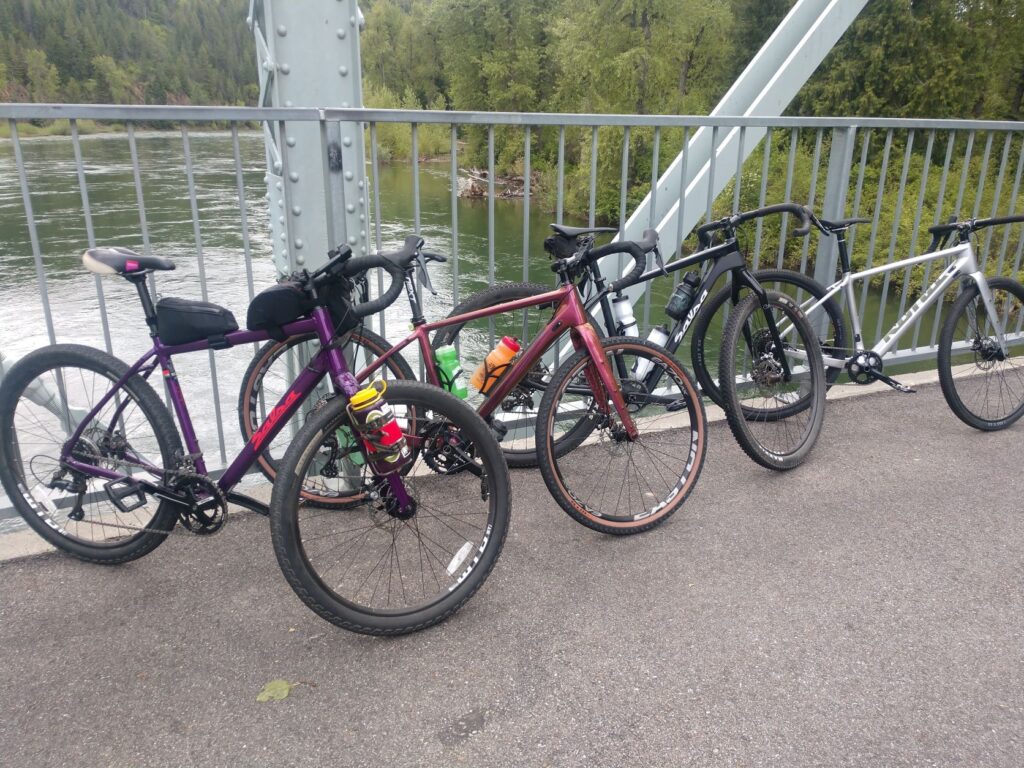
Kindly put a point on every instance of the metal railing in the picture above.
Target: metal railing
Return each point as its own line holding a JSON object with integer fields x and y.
{"x": 903, "y": 174}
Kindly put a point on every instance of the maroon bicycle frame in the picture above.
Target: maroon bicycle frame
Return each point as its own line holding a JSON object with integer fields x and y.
{"x": 569, "y": 314}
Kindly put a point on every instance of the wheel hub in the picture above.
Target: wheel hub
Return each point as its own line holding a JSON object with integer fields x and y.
{"x": 987, "y": 351}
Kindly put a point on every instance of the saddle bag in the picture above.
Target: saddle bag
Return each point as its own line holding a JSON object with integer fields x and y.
{"x": 180, "y": 321}
{"x": 560, "y": 246}
{"x": 286, "y": 302}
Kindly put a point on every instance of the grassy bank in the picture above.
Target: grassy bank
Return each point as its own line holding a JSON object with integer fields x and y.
{"x": 59, "y": 128}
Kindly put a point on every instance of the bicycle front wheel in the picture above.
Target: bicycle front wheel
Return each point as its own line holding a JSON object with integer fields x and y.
{"x": 365, "y": 568}
{"x": 45, "y": 396}
{"x": 775, "y": 416}
{"x": 271, "y": 373}
{"x": 705, "y": 346}
{"x": 611, "y": 483}
{"x": 983, "y": 386}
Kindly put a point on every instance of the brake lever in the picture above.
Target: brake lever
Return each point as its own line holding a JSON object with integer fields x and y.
{"x": 421, "y": 266}
{"x": 659, "y": 260}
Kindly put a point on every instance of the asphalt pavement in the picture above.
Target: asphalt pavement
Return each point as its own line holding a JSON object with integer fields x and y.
{"x": 861, "y": 610}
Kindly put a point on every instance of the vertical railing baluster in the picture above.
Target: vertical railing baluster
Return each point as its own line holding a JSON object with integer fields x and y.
{"x": 683, "y": 168}
{"x": 925, "y": 167}
{"x": 950, "y": 142}
{"x": 897, "y": 215}
{"x": 1012, "y": 210}
{"x": 33, "y": 234}
{"x": 623, "y": 184}
{"x": 242, "y": 211}
{"x": 490, "y": 223}
{"x": 762, "y": 196}
{"x": 879, "y": 196}
{"x": 526, "y": 207}
{"x": 739, "y": 171}
{"x": 996, "y": 196}
{"x": 90, "y": 233}
{"x": 712, "y": 161}
{"x": 378, "y": 240}
{"x": 525, "y": 331}
{"x": 865, "y": 146}
{"x": 202, "y": 284}
{"x": 652, "y": 223}
{"x": 812, "y": 192}
{"x": 560, "y": 201}
{"x": 592, "y": 204}
{"x": 982, "y": 176}
{"x": 455, "y": 214}
{"x": 787, "y": 195}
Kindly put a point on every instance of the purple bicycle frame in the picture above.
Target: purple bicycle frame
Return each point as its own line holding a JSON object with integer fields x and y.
{"x": 329, "y": 359}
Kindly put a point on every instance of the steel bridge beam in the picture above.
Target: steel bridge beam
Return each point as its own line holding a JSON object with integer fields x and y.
{"x": 308, "y": 56}
{"x": 764, "y": 89}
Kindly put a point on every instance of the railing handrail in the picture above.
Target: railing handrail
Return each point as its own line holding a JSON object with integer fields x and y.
{"x": 139, "y": 112}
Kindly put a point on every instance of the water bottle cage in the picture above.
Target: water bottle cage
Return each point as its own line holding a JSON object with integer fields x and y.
{"x": 492, "y": 374}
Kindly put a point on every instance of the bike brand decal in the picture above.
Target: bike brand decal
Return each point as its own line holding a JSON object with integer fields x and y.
{"x": 921, "y": 302}
{"x": 689, "y": 317}
{"x": 272, "y": 418}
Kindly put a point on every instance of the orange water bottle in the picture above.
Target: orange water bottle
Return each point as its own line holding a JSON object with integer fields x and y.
{"x": 494, "y": 365}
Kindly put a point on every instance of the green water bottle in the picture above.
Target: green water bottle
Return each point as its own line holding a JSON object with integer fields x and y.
{"x": 450, "y": 368}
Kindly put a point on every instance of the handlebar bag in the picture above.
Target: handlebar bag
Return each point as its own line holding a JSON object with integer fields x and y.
{"x": 287, "y": 302}
{"x": 180, "y": 321}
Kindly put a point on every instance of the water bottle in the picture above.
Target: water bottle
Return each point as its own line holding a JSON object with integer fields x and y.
{"x": 450, "y": 370}
{"x": 681, "y": 298}
{"x": 494, "y": 365}
{"x": 623, "y": 309}
{"x": 374, "y": 421}
{"x": 643, "y": 365}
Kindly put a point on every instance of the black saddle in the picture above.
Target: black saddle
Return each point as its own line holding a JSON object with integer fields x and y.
{"x": 577, "y": 231}
{"x": 121, "y": 261}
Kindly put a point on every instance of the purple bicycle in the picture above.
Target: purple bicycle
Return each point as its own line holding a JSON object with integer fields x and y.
{"x": 91, "y": 458}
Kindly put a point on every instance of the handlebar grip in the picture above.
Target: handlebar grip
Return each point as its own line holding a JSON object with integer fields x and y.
{"x": 361, "y": 263}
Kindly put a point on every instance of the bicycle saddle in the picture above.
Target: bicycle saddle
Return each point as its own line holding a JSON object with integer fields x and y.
{"x": 121, "y": 261}
{"x": 576, "y": 231}
{"x": 842, "y": 224}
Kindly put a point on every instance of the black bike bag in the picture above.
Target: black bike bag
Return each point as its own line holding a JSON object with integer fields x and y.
{"x": 287, "y": 302}
{"x": 181, "y": 321}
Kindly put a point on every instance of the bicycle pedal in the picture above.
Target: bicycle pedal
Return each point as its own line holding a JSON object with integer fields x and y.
{"x": 120, "y": 490}
{"x": 677, "y": 405}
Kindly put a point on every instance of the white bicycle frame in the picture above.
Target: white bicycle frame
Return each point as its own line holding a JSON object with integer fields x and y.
{"x": 963, "y": 265}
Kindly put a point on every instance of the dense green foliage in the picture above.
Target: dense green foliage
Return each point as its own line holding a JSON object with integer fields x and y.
{"x": 126, "y": 51}
{"x": 901, "y": 58}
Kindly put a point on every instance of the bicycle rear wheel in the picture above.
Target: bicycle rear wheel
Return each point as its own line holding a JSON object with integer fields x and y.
{"x": 364, "y": 568}
{"x": 775, "y": 419}
{"x": 44, "y": 397}
{"x": 984, "y": 387}
{"x": 611, "y": 483}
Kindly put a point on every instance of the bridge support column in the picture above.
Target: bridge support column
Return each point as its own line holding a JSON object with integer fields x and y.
{"x": 308, "y": 56}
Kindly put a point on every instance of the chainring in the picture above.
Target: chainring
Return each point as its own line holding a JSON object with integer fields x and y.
{"x": 205, "y": 509}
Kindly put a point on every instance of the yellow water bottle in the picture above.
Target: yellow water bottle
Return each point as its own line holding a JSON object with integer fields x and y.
{"x": 494, "y": 365}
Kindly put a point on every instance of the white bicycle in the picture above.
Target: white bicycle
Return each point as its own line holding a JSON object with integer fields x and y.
{"x": 981, "y": 345}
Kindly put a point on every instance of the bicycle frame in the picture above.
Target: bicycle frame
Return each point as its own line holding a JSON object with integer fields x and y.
{"x": 569, "y": 314}
{"x": 964, "y": 265}
{"x": 329, "y": 359}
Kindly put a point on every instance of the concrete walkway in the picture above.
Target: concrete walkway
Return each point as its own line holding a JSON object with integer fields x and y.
{"x": 862, "y": 610}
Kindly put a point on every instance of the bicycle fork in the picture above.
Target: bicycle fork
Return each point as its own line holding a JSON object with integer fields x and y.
{"x": 601, "y": 380}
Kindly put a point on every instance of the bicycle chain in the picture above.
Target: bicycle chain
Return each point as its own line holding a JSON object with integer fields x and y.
{"x": 186, "y": 472}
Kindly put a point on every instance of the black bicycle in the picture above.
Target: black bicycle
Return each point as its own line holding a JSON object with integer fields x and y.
{"x": 776, "y": 403}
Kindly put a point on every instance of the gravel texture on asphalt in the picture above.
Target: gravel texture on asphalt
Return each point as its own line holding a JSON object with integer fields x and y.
{"x": 861, "y": 610}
